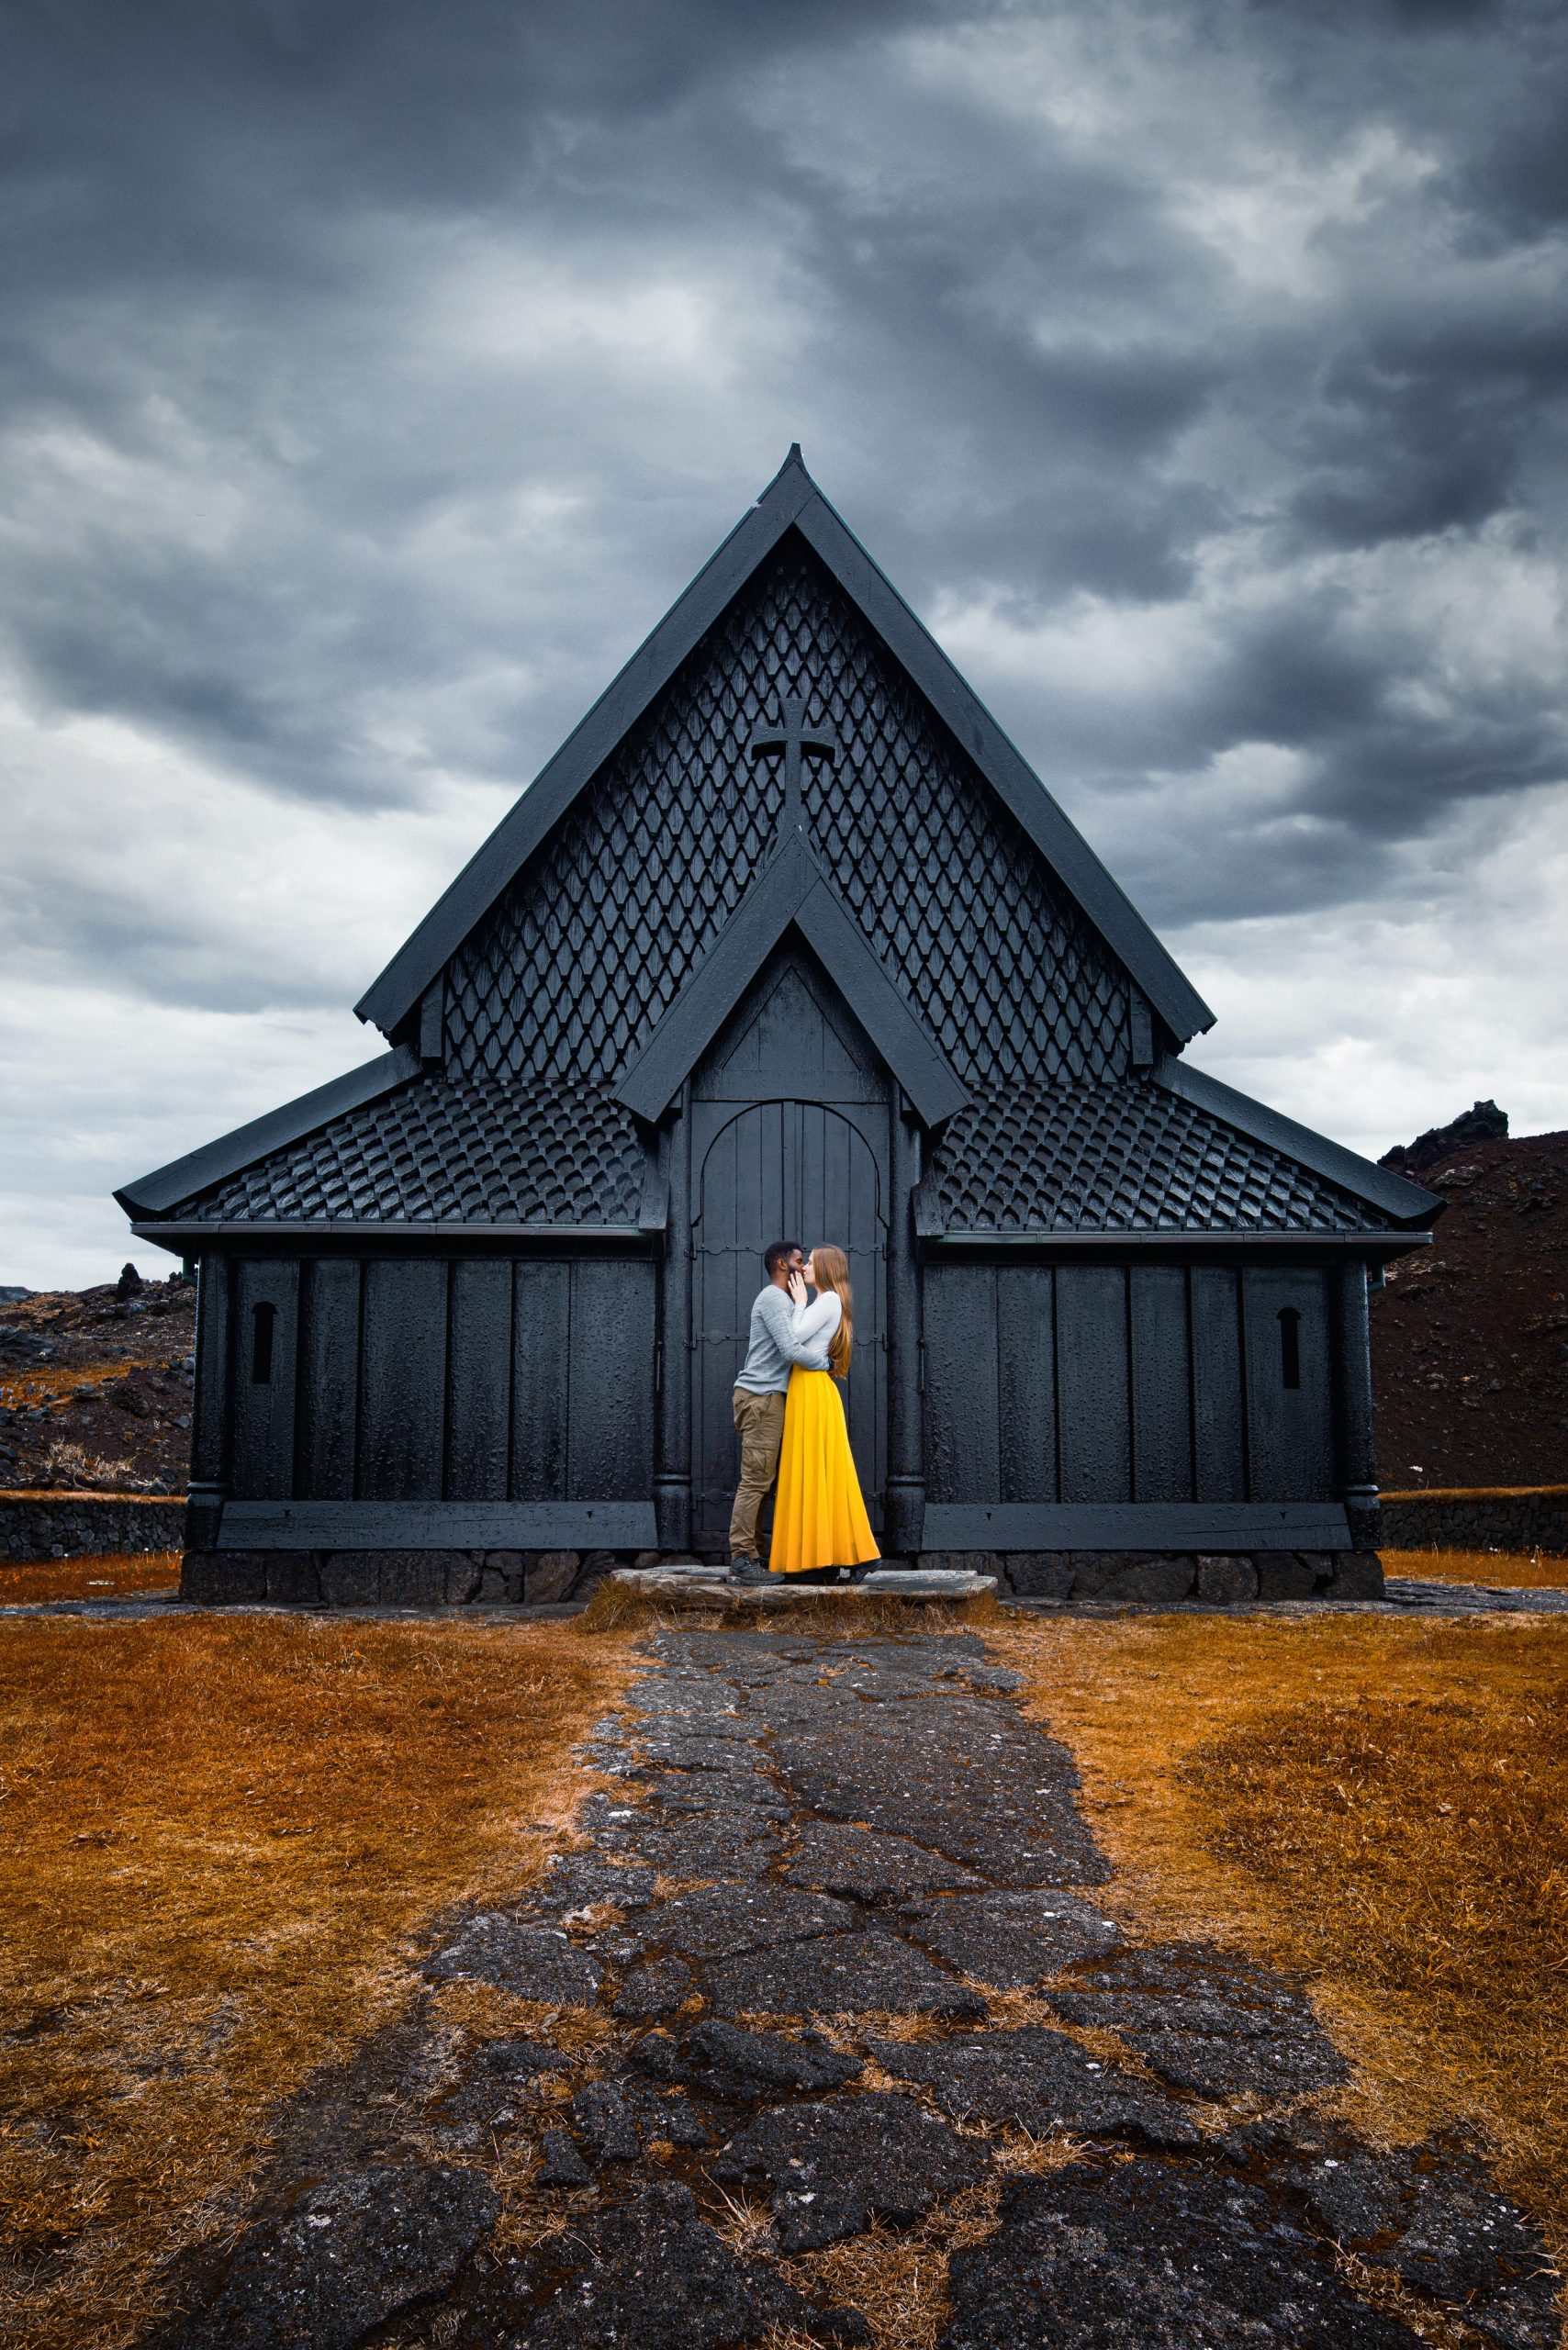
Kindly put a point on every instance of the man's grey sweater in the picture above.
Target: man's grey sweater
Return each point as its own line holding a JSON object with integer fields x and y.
{"x": 771, "y": 1348}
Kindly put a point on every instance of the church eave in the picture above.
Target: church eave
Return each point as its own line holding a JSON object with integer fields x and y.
{"x": 185, "y": 1178}
{"x": 792, "y": 500}
{"x": 1404, "y": 1203}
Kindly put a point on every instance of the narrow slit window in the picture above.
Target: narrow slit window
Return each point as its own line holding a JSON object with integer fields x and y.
{"x": 263, "y": 1319}
{"x": 1290, "y": 1345}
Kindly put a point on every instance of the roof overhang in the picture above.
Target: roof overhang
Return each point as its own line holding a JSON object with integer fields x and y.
{"x": 1395, "y": 1195}
{"x": 1376, "y": 1247}
{"x": 189, "y": 1237}
{"x": 792, "y": 894}
{"x": 183, "y": 1178}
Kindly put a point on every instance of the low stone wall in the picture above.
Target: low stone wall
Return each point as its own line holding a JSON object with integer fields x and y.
{"x": 1533, "y": 1519}
{"x": 1166, "y": 1575}
{"x": 502, "y": 1578}
{"x": 76, "y": 1525}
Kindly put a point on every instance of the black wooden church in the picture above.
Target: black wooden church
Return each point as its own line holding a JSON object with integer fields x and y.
{"x": 786, "y": 941}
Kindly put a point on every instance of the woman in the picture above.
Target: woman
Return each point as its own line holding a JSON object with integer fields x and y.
{"x": 819, "y": 1518}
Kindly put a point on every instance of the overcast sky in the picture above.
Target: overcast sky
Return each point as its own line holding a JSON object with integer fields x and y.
{"x": 372, "y": 379}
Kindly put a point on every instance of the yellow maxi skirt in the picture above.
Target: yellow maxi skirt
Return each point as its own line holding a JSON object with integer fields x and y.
{"x": 819, "y": 1518}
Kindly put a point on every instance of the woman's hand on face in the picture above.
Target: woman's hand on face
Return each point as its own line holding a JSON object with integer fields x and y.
{"x": 798, "y": 1289}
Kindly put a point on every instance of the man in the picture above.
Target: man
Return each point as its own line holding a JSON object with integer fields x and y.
{"x": 759, "y": 1400}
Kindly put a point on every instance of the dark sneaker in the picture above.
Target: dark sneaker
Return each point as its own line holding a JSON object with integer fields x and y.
{"x": 748, "y": 1571}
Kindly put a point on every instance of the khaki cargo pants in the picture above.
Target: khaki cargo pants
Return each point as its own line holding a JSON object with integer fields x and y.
{"x": 759, "y": 1421}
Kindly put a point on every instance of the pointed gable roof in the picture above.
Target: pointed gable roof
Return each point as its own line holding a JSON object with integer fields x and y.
{"x": 792, "y": 893}
{"x": 792, "y": 500}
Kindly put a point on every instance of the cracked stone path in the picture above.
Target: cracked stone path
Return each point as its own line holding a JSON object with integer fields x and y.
{"x": 833, "y": 1956}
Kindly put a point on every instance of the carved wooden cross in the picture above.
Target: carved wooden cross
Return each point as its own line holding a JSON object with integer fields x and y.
{"x": 791, "y": 735}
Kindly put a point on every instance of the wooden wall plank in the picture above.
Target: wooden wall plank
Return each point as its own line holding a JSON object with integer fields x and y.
{"x": 439, "y": 1525}
{"x": 962, "y": 1458}
{"x": 1289, "y": 1429}
{"x": 479, "y": 1353}
{"x": 1026, "y": 1384}
{"x": 1092, "y": 1385}
{"x": 1134, "y": 1526}
{"x": 1162, "y": 1396}
{"x": 611, "y": 1439}
{"x": 402, "y": 1379}
{"x": 540, "y": 1367}
{"x": 210, "y": 1430}
{"x": 1219, "y": 1396}
{"x": 263, "y": 1446}
{"x": 328, "y": 1371}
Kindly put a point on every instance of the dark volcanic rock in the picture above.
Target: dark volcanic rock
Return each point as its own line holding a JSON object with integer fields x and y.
{"x": 601, "y": 2114}
{"x": 1010, "y": 1939}
{"x": 723, "y": 1920}
{"x": 1209, "y": 2022}
{"x": 351, "y": 2254}
{"x": 865, "y": 1866}
{"x": 1428, "y": 2212}
{"x": 656, "y": 1989}
{"x": 562, "y": 2164}
{"x": 1040, "y": 2079}
{"x": 1151, "y": 2258}
{"x": 533, "y": 1962}
{"x": 650, "y": 2276}
{"x": 1484, "y": 1122}
{"x": 835, "y": 1974}
{"x": 582, "y": 1880}
{"x": 731, "y": 1847}
{"x": 720, "y": 2060}
{"x": 899, "y": 1767}
{"x": 836, "y": 2166}
{"x": 499, "y": 2086}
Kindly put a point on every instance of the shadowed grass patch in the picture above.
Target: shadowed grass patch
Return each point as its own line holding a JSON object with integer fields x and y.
{"x": 1506, "y": 1570}
{"x": 224, "y": 1838}
{"x": 100, "y": 1575}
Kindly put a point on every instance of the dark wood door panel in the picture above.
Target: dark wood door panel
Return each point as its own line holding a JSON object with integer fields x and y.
{"x": 775, "y": 1170}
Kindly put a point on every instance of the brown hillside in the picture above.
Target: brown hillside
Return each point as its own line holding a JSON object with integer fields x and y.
{"x": 1470, "y": 1337}
{"x": 96, "y": 1388}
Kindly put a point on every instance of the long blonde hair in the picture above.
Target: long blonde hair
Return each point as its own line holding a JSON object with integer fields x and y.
{"x": 830, "y": 1267}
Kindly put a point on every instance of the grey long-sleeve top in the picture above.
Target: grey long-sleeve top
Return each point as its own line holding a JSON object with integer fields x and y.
{"x": 782, "y": 1335}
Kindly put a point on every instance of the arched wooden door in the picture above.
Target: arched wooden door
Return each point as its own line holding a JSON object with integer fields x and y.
{"x": 784, "y": 1170}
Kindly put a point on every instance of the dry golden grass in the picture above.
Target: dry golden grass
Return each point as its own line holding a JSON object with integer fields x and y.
{"x": 102, "y": 1575}
{"x": 1469, "y": 1493}
{"x": 49, "y": 1382}
{"x": 1507, "y": 1569}
{"x": 223, "y": 1837}
{"x": 1381, "y": 1802}
{"x": 897, "y": 2277}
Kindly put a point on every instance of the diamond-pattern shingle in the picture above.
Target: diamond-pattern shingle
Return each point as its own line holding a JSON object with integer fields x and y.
{"x": 586, "y": 951}
{"x": 468, "y": 1149}
{"x": 1128, "y": 1157}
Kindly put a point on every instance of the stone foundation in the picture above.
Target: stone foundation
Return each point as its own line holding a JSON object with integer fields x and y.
{"x": 528, "y": 1578}
{"x": 1165, "y": 1575}
{"x": 397, "y": 1577}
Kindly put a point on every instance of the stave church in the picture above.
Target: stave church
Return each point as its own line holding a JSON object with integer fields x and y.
{"x": 787, "y": 941}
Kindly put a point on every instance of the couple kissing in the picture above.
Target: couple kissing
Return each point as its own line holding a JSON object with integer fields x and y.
{"x": 789, "y": 1419}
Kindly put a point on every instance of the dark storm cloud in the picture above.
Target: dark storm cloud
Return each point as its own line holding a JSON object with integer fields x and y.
{"x": 372, "y": 378}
